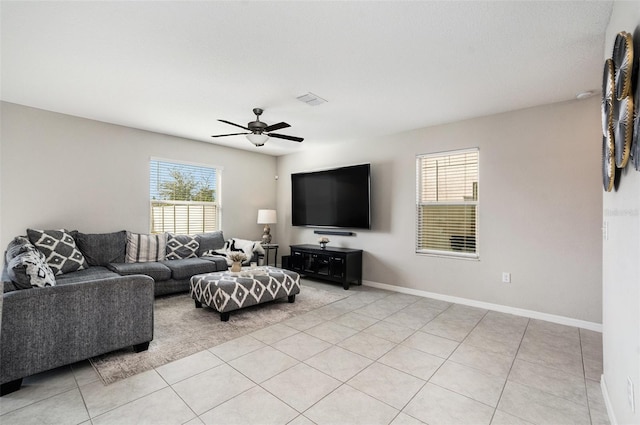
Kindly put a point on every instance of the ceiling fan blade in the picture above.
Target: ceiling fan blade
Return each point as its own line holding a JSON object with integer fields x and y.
{"x": 232, "y": 134}
{"x": 237, "y": 125}
{"x": 279, "y": 126}
{"x": 282, "y": 136}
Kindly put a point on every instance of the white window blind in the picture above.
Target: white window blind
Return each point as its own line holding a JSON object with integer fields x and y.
{"x": 447, "y": 203}
{"x": 183, "y": 197}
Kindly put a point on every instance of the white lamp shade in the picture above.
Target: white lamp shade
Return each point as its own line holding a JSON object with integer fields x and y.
{"x": 267, "y": 217}
{"x": 257, "y": 139}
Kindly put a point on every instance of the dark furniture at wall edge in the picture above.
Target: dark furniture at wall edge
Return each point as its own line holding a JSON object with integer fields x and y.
{"x": 268, "y": 247}
{"x": 342, "y": 265}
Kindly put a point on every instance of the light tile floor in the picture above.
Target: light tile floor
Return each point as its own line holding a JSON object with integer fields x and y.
{"x": 375, "y": 357}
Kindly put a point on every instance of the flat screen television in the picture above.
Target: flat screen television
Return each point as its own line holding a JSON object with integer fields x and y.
{"x": 339, "y": 197}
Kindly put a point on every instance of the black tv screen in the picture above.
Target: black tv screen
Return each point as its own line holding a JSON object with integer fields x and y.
{"x": 339, "y": 197}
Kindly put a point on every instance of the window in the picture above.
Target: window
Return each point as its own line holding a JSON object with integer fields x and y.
{"x": 183, "y": 197}
{"x": 447, "y": 203}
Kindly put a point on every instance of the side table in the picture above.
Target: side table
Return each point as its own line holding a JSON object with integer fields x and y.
{"x": 268, "y": 247}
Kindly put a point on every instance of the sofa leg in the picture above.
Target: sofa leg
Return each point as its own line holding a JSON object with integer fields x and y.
{"x": 224, "y": 317}
{"x": 198, "y": 304}
{"x": 9, "y": 387}
{"x": 139, "y": 348}
{"x": 292, "y": 298}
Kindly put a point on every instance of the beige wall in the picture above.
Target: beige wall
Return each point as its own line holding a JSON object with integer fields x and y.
{"x": 540, "y": 199}
{"x": 540, "y": 209}
{"x": 621, "y": 262}
{"x": 60, "y": 171}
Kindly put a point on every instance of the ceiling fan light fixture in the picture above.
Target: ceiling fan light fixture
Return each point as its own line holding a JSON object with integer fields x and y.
{"x": 259, "y": 132}
{"x": 257, "y": 139}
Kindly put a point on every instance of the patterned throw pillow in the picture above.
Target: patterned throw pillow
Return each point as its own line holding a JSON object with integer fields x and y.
{"x": 59, "y": 249}
{"x": 29, "y": 269}
{"x": 144, "y": 248}
{"x": 18, "y": 245}
{"x": 181, "y": 246}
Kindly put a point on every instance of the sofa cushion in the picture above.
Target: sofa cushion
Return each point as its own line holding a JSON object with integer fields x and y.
{"x": 86, "y": 275}
{"x": 100, "y": 249}
{"x": 220, "y": 260}
{"x": 59, "y": 249}
{"x": 184, "y": 269}
{"x": 210, "y": 241}
{"x": 181, "y": 246}
{"x": 156, "y": 270}
{"x": 30, "y": 269}
{"x": 143, "y": 248}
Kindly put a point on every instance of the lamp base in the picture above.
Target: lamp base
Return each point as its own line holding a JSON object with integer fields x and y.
{"x": 266, "y": 234}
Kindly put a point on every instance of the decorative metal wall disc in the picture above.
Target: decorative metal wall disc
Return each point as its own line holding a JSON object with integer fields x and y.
{"x": 623, "y": 129}
{"x": 608, "y": 166}
{"x": 608, "y": 86}
{"x": 635, "y": 143}
{"x": 623, "y": 63}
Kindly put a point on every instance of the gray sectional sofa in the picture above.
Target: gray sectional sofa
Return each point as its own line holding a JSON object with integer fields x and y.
{"x": 69, "y": 296}
{"x": 44, "y": 328}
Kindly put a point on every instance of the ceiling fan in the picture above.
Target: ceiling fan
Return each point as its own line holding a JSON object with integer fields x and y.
{"x": 260, "y": 132}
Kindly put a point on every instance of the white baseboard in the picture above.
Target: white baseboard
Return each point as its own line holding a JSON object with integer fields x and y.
{"x": 597, "y": 327}
{"x": 607, "y": 401}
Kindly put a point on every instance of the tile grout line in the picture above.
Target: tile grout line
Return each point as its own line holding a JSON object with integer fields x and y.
{"x": 344, "y": 383}
{"x": 506, "y": 380}
{"x": 332, "y": 345}
{"x": 584, "y": 380}
{"x": 427, "y": 381}
{"x": 84, "y": 402}
{"x": 372, "y": 362}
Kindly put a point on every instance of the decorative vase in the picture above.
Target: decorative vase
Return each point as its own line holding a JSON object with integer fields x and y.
{"x": 323, "y": 245}
{"x": 236, "y": 266}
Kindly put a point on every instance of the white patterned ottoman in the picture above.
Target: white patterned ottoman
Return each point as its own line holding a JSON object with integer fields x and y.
{"x": 227, "y": 291}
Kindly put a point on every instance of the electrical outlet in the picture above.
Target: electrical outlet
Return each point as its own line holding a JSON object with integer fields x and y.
{"x": 506, "y": 277}
{"x": 630, "y": 397}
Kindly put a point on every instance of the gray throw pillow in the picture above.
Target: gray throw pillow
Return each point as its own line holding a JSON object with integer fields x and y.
{"x": 59, "y": 249}
{"x": 210, "y": 241}
{"x": 101, "y": 249}
{"x": 181, "y": 246}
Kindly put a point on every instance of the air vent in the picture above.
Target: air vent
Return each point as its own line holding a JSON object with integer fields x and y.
{"x": 311, "y": 99}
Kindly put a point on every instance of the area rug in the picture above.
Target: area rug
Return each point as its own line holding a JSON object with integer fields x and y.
{"x": 180, "y": 330}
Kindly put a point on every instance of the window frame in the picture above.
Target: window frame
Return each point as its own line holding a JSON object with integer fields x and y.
{"x": 475, "y": 255}
{"x": 217, "y": 191}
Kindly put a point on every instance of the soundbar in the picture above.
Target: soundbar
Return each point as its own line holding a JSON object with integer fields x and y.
{"x": 333, "y": 232}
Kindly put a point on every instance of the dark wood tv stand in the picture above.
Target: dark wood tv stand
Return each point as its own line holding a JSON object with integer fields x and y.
{"x": 341, "y": 265}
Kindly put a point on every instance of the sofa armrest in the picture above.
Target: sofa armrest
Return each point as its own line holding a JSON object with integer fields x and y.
{"x": 44, "y": 328}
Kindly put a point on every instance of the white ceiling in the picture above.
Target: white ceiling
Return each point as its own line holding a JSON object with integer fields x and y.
{"x": 384, "y": 67}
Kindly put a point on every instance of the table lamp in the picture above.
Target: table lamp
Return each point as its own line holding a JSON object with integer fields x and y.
{"x": 267, "y": 217}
